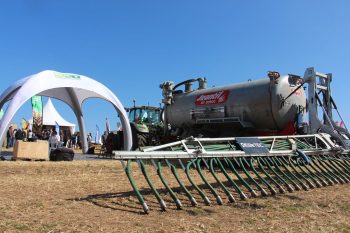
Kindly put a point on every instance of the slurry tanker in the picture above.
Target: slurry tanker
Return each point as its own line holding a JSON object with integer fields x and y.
{"x": 250, "y": 108}
{"x": 264, "y": 137}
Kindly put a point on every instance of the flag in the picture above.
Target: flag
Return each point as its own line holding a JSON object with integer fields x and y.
{"x": 97, "y": 135}
{"x": 37, "y": 109}
{"x": 57, "y": 128}
{"x": 342, "y": 124}
{"x": 107, "y": 125}
{"x": 24, "y": 124}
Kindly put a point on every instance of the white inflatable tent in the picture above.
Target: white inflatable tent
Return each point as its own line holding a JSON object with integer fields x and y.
{"x": 51, "y": 116}
{"x": 72, "y": 89}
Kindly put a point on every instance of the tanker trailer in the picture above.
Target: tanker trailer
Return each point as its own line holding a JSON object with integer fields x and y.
{"x": 259, "y": 107}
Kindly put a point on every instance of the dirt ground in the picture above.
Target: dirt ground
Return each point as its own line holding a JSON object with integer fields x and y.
{"x": 95, "y": 196}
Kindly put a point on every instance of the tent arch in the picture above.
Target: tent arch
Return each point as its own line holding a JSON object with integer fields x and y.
{"x": 72, "y": 89}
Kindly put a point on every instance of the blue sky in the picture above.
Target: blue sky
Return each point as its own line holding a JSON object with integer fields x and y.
{"x": 133, "y": 46}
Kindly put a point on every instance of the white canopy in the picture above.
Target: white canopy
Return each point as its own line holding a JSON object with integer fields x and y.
{"x": 73, "y": 89}
{"x": 51, "y": 116}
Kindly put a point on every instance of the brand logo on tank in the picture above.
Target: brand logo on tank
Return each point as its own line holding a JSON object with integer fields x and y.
{"x": 218, "y": 97}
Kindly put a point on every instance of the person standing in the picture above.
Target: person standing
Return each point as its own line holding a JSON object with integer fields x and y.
{"x": 30, "y": 136}
{"x": 89, "y": 139}
{"x": 8, "y": 137}
{"x": 13, "y": 138}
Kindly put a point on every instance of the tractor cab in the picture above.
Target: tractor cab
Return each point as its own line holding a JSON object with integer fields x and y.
{"x": 144, "y": 115}
{"x": 146, "y": 125}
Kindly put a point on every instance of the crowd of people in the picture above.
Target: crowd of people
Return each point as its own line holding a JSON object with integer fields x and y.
{"x": 62, "y": 139}
{"x": 55, "y": 139}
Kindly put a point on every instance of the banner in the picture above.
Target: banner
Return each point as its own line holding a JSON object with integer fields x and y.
{"x": 57, "y": 128}
{"x": 37, "y": 109}
{"x": 97, "y": 135}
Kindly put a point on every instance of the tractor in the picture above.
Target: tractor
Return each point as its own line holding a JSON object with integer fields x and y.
{"x": 146, "y": 125}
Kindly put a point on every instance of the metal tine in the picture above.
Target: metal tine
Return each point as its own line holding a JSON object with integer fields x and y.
{"x": 135, "y": 188}
{"x": 320, "y": 172}
{"x": 212, "y": 171}
{"x": 280, "y": 188}
{"x": 338, "y": 167}
{"x": 188, "y": 193}
{"x": 171, "y": 192}
{"x": 150, "y": 184}
{"x": 336, "y": 178}
{"x": 263, "y": 191}
{"x": 268, "y": 162}
{"x": 272, "y": 190}
{"x": 311, "y": 176}
{"x": 296, "y": 186}
{"x": 213, "y": 191}
{"x": 242, "y": 195}
{"x": 244, "y": 183}
{"x": 295, "y": 175}
{"x": 201, "y": 192}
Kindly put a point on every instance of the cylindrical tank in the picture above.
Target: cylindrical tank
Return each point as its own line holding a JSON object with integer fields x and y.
{"x": 255, "y": 104}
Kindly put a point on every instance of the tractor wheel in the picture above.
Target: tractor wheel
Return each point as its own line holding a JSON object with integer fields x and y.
{"x": 139, "y": 141}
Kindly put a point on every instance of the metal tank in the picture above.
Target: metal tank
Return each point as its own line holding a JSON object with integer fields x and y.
{"x": 259, "y": 105}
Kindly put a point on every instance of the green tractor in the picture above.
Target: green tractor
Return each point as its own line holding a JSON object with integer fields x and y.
{"x": 146, "y": 125}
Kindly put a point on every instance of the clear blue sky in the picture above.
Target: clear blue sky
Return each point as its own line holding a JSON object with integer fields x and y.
{"x": 133, "y": 46}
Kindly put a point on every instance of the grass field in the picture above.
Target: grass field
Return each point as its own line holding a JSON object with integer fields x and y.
{"x": 95, "y": 196}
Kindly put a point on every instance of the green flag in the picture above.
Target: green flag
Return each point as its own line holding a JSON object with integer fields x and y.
{"x": 37, "y": 109}
{"x": 1, "y": 113}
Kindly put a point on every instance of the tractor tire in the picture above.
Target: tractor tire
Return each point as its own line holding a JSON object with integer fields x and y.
{"x": 139, "y": 141}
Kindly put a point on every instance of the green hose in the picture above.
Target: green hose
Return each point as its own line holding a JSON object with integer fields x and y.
{"x": 321, "y": 173}
{"x": 267, "y": 161}
{"x": 280, "y": 188}
{"x": 200, "y": 172}
{"x": 337, "y": 168}
{"x": 307, "y": 177}
{"x": 188, "y": 194}
{"x": 272, "y": 190}
{"x": 275, "y": 163}
{"x": 292, "y": 175}
{"x": 235, "y": 186}
{"x": 171, "y": 192}
{"x": 135, "y": 188}
{"x": 263, "y": 192}
{"x": 212, "y": 171}
{"x": 326, "y": 171}
{"x": 154, "y": 190}
{"x": 201, "y": 192}
{"x": 244, "y": 183}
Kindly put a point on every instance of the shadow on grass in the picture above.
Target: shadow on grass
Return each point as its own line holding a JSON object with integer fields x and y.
{"x": 99, "y": 200}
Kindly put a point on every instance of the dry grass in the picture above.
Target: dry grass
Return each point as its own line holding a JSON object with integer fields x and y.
{"x": 95, "y": 196}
